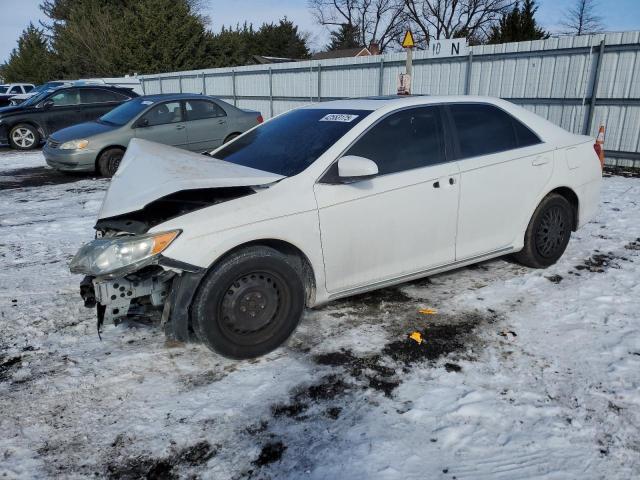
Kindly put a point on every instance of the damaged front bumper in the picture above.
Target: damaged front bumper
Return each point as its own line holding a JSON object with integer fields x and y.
{"x": 161, "y": 294}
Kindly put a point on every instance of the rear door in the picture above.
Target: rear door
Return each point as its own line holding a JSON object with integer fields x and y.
{"x": 504, "y": 167}
{"x": 98, "y": 101}
{"x": 401, "y": 222}
{"x": 163, "y": 124}
{"x": 64, "y": 111}
{"x": 207, "y": 124}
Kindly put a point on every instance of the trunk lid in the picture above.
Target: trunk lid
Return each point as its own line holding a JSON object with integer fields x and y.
{"x": 150, "y": 171}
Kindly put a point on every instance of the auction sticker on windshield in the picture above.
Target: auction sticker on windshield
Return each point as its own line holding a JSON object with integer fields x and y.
{"x": 338, "y": 117}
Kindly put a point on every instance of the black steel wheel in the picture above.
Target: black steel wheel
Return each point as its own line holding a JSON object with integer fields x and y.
{"x": 249, "y": 304}
{"x": 552, "y": 231}
{"x": 109, "y": 161}
{"x": 548, "y": 232}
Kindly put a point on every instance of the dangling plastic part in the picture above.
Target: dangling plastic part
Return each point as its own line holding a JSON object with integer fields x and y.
{"x": 100, "y": 309}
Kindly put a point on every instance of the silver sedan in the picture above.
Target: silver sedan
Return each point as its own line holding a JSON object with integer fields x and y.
{"x": 193, "y": 122}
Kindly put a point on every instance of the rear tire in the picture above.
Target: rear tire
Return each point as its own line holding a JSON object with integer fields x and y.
{"x": 109, "y": 161}
{"x": 233, "y": 136}
{"x": 249, "y": 304}
{"x": 24, "y": 137}
{"x": 548, "y": 233}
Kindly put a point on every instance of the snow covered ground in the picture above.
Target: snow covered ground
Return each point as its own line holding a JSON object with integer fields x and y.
{"x": 523, "y": 373}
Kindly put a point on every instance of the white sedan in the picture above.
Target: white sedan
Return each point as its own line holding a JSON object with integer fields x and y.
{"x": 327, "y": 201}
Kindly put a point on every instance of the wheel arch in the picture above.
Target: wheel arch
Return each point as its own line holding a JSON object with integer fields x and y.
{"x": 109, "y": 147}
{"x": 571, "y": 196}
{"x": 29, "y": 122}
{"x": 296, "y": 256}
{"x": 228, "y": 137}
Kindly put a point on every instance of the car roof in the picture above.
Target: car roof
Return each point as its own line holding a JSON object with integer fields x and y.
{"x": 174, "y": 96}
{"x": 397, "y": 101}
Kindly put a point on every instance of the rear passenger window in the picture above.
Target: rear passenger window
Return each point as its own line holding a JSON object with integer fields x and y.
{"x": 201, "y": 109}
{"x": 485, "y": 129}
{"x": 405, "y": 140}
{"x": 98, "y": 95}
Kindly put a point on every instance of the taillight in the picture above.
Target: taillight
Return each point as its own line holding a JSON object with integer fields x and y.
{"x": 598, "y": 149}
{"x": 260, "y": 119}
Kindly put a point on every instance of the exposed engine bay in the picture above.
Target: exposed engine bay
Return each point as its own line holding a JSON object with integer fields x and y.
{"x": 166, "y": 208}
{"x": 145, "y": 293}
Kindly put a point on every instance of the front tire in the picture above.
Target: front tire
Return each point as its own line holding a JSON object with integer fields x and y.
{"x": 109, "y": 161}
{"x": 548, "y": 233}
{"x": 249, "y": 304}
{"x": 24, "y": 137}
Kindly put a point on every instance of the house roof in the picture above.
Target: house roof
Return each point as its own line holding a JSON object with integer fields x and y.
{"x": 343, "y": 53}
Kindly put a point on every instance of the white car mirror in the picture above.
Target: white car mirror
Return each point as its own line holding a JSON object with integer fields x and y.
{"x": 352, "y": 167}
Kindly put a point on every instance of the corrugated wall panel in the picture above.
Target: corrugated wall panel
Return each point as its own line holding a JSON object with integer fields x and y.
{"x": 559, "y": 84}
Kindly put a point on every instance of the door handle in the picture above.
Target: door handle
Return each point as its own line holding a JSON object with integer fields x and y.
{"x": 452, "y": 181}
{"x": 540, "y": 161}
{"x": 436, "y": 184}
{"x": 180, "y": 127}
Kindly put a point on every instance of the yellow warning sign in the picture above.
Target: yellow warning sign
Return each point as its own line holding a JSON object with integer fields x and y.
{"x": 408, "y": 40}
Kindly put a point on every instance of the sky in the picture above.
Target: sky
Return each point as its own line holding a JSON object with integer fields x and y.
{"x": 617, "y": 15}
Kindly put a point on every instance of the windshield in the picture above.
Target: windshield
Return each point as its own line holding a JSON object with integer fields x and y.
{"x": 291, "y": 142}
{"x": 36, "y": 98}
{"x": 3, "y": 89}
{"x": 126, "y": 112}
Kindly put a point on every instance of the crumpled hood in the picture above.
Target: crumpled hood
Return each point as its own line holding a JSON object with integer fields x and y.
{"x": 150, "y": 171}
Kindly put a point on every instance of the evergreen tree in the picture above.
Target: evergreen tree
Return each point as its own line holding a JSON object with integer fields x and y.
{"x": 237, "y": 46}
{"x": 233, "y": 47}
{"x": 93, "y": 38}
{"x": 518, "y": 25}
{"x": 281, "y": 40}
{"x": 31, "y": 61}
{"x": 347, "y": 36}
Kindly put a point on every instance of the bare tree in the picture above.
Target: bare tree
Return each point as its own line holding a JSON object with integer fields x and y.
{"x": 378, "y": 21}
{"x": 455, "y": 18}
{"x": 582, "y": 18}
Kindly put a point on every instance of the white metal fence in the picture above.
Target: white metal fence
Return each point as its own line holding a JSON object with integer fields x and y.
{"x": 576, "y": 82}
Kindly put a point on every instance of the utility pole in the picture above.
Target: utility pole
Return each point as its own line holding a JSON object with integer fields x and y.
{"x": 404, "y": 84}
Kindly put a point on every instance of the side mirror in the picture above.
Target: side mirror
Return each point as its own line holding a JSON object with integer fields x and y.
{"x": 353, "y": 168}
{"x": 48, "y": 104}
{"x": 143, "y": 122}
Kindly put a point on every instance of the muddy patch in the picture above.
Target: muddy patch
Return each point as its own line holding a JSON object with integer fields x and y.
{"x": 37, "y": 177}
{"x": 600, "y": 262}
{"x": 621, "y": 172}
{"x": 147, "y": 467}
{"x": 635, "y": 245}
{"x": 270, "y": 453}
{"x": 7, "y": 366}
{"x": 350, "y": 380}
{"x": 326, "y": 389}
{"x": 554, "y": 279}
{"x": 376, "y": 298}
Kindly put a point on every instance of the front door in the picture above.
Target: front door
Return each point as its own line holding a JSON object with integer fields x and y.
{"x": 64, "y": 111}
{"x": 402, "y": 221}
{"x": 207, "y": 125}
{"x": 163, "y": 124}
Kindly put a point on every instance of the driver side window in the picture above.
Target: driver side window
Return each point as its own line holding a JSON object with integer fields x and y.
{"x": 65, "y": 98}
{"x": 404, "y": 140}
{"x": 170, "y": 112}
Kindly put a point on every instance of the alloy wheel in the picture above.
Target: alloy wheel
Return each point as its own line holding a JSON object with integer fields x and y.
{"x": 23, "y": 137}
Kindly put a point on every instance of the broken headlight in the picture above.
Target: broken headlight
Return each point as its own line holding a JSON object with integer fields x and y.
{"x": 120, "y": 255}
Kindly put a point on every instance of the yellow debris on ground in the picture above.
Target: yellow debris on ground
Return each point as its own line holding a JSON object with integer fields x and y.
{"x": 417, "y": 336}
{"x": 427, "y": 311}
